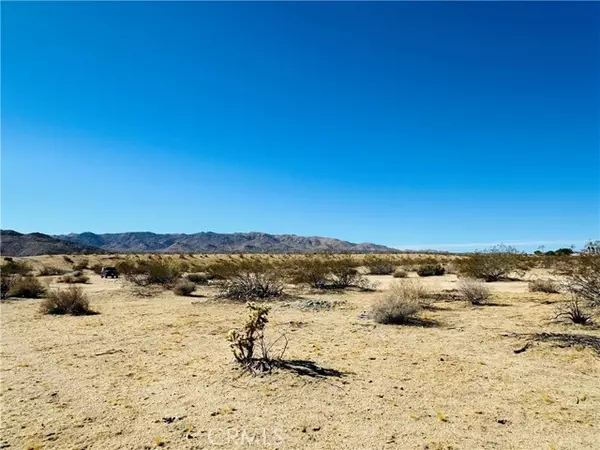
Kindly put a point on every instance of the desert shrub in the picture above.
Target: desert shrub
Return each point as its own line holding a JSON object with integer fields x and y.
{"x": 400, "y": 273}
{"x": 12, "y": 267}
{"x": 344, "y": 273}
{"x": 473, "y": 291}
{"x": 74, "y": 278}
{"x": 379, "y": 266}
{"x": 184, "y": 287}
{"x": 252, "y": 285}
{"x": 157, "y": 270}
{"x": 96, "y": 268}
{"x": 400, "y": 303}
{"x": 50, "y": 271}
{"x": 69, "y": 301}
{"x": 6, "y": 283}
{"x": 491, "y": 264}
{"x": 81, "y": 265}
{"x": 564, "y": 251}
{"x": 544, "y": 285}
{"x": 198, "y": 278}
{"x": 310, "y": 270}
{"x": 245, "y": 342}
{"x": 573, "y": 311}
{"x": 430, "y": 270}
{"x": 26, "y": 287}
{"x": 67, "y": 259}
{"x": 583, "y": 274}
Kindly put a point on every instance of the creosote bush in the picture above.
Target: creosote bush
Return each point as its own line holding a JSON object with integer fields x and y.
{"x": 491, "y": 264}
{"x": 430, "y": 270}
{"x": 198, "y": 278}
{"x": 473, "y": 291}
{"x": 96, "y": 268}
{"x": 184, "y": 288}
{"x": 25, "y": 287}
{"x": 69, "y": 301}
{"x": 401, "y": 303}
{"x": 544, "y": 285}
{"x": 400, "y": 273}
{"x": 379, "y": 266}
{"x": 156, "y": 270}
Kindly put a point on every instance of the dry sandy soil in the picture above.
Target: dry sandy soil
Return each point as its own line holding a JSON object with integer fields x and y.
{"x": 158, "y": 372}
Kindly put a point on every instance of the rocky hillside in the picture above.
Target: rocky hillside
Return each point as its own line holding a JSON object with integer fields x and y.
{"x": 208, "y": 242}
{"x": 13, "y": 243}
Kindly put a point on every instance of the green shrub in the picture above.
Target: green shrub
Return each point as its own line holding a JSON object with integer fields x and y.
{"x": 491, "y": 264}
{"x": 26, "y": 287}
{"x": 430, "y": 270}
{"x": 70, "y": 301}
{"x": 158, "y": 270}
{"x": 184, "y": 288}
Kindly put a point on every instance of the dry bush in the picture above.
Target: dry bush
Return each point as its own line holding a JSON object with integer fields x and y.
{"x": 96, "y": 268}
{"x": 544, "y": 285}
{"x": 245, "y": 341}
{"x": 310, "y": 270}
{"x": 400, "y": 273}
{"x": 431, "y": 270}
{"x": 81, "y": 265}
{"x": 50, "y": 271}
{"x": 198, "y": 278}
{"x": 69, "y": 301}
{"x": 583, "y": 274}
{"x": 491, "y": 264}
{"x": 25, "y": 287}
{"x": 252, "y": 285}
{"x": 73, "y": 278}
{"x": 184, "y": 288}
{"x": 401, "y": 303}
{"x": 473, "y": 291}
{"x": 67, "y": 259}
{"x": 379, "y": 265}
{"x": 12, "y": 267}
{"x": 573, "y": 311}
{"x": 157, "y": 270}
{"x": 344, "y": 273}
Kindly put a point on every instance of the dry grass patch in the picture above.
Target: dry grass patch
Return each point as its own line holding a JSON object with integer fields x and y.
{"x": 401, "y": 303}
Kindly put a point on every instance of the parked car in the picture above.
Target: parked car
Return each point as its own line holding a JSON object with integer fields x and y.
{"x": 109, "y": 272}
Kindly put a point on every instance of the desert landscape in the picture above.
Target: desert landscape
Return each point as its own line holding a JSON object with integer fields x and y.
{"x": 154, "y": 369}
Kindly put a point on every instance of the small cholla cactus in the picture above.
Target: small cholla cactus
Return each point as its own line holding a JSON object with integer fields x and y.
{"x": 243, "y": 341}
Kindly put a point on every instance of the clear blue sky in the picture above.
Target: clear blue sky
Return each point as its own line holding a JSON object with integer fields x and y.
{"x": 410, "y": 124}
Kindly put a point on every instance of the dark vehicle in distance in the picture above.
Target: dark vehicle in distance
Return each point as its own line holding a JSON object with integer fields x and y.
{"x": 109, "y": 272}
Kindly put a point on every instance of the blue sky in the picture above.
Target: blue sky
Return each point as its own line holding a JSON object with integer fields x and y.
{"x": 447, "y": 125}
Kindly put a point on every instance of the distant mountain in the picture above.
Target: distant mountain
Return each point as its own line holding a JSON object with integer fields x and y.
{"x": 208, "y": 242}
{"x": 13, "y": 243}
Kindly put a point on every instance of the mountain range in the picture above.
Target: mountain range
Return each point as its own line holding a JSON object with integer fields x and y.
{"x": 18, "y": 244}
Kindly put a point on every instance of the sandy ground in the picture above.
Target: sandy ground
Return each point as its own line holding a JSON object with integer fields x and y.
{"x": 158, "y": 372}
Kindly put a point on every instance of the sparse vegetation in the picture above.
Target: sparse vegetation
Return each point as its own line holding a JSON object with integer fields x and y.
{"x": 25, "y": 287}
{"x": 474, "y": 291}
{"x": 198, "y": 278}
{"x": 379, "y": 266}
{"x": 491, "y": 264}
{"x": 69, "y": 301}
{"x": 544, "y": 285}
{"x": 81, "y": 265}
{"x": 184, "y": 288}
{"x": 96, "y": 268}
{"x": 583, "y": 274}
{"x": 158, "y": 270}
{"x": 401, "y": 303}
